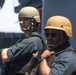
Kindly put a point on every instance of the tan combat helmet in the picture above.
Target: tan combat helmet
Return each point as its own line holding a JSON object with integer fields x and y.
{"x": 30, "y": 12}
{"x": 60, "y": 23}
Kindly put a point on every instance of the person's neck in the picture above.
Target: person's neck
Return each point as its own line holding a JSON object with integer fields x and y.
{"x": 27, "y": 33}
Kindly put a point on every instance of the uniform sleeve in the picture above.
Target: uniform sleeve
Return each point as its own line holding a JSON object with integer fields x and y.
{"x": 20, "y": 49}
{"x": 65, "y": 64}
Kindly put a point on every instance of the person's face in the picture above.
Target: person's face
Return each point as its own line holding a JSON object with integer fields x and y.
{"x": 24, "y": 22}
{"x": 53, "y": 37}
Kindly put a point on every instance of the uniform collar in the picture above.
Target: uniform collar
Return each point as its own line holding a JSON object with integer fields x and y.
{"x": 33, "y": 34}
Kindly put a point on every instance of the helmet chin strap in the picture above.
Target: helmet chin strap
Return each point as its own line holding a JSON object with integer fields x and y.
{"x": 24, "y": 29}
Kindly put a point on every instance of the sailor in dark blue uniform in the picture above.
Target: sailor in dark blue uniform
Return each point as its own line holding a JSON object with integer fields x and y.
{"x": 58, "y": 30}
{"x": 19, "y": 54}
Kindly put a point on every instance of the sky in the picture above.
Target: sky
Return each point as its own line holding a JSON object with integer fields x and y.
{"x": 8, "y": 19}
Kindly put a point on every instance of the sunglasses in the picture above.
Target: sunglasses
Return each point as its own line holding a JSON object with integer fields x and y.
{"x": 52, "y": 34}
